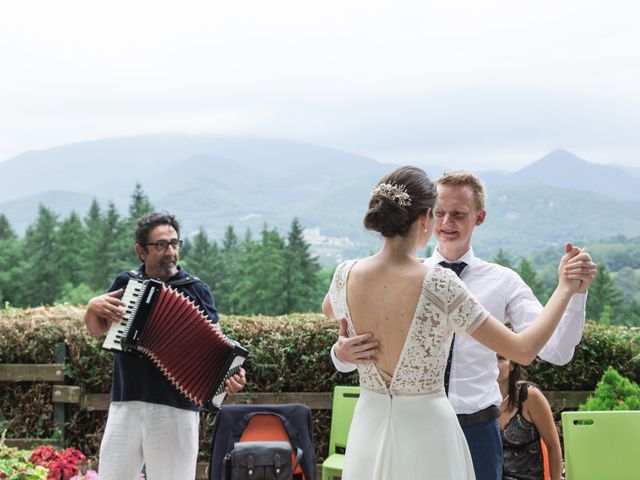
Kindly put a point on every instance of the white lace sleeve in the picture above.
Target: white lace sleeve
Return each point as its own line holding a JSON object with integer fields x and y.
{"x": 464, "y": 311}
{"x": 335, "y": 290}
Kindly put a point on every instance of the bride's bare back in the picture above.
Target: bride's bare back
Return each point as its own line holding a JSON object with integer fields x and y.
{"x": 382, "y": 299}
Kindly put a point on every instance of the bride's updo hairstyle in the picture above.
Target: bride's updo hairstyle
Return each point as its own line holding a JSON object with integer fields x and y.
{"x": 397, "y": 201}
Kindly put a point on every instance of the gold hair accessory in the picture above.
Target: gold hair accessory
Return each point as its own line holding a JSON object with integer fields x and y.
{"x": 396, "y": 192}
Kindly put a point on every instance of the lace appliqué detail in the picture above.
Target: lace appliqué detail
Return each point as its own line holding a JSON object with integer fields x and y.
{"x": 445, "y": 305}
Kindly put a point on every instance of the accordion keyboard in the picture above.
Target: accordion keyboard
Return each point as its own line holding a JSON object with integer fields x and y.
{"x": 118, "y": 330}
{"x": 220, "y": 393}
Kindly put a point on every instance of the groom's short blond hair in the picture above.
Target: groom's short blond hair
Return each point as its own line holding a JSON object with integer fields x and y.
{"x": 459, "y": 178}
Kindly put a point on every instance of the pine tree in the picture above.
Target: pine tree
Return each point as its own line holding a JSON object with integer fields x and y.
{"x": 270, "y": 284}
{"x": 240, "y": 299}
{"x": 606, "y": 315}
{"x": 602, "y": 292}
{"x": 198, "y": 258}
{"x": 40, "y": 271}
{"x": 93, "y": 222}
{"x": 631, "y": 315}
{"x": 261, "y": 285}
{"x": 628, "y": 280}
{"x": 6, "y": 232}
{"x": 118, "y": 253}
{"x": 71, "y": 238}
{"x": 216, "y": 267}
{"x": 503, "y": 259}
{"x": 10, "y": 254}
{"x": 140, "y": 203}
{"x": 230, "y": 241}
{"x": 302, "y": 288}
{"x": 260, "y": 288}
{"x": 530, "y": 277}
{"x": 227, "y": 274}
{"x": 185, "y": 250}
{"x": 103, "y": 248}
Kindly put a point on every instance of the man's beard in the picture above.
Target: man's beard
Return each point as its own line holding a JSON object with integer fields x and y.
{"x": 169, "y": 267}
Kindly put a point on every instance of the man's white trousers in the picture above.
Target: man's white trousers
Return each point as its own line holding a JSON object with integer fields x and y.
{"x": 164, "y": 439}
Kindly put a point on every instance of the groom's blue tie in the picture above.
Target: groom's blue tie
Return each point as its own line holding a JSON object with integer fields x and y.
{"x": 457, "y": 268}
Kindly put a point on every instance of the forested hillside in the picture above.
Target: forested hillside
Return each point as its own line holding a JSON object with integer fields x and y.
{"x": 70, "y": 260}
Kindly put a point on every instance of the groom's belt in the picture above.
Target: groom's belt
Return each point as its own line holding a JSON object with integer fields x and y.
{"x": 490, "y": 413}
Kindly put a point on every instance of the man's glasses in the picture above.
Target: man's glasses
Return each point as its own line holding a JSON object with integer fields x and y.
{"x": 162, "y": 245}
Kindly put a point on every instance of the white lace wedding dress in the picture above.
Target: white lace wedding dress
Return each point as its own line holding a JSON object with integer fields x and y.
{"x": 404, "y": 427}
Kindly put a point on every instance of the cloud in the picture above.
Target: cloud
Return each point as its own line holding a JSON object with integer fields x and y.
{"x": 372, "y": 76}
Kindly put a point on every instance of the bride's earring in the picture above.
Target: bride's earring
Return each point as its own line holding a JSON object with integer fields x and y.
{"x": 426, "y": 222}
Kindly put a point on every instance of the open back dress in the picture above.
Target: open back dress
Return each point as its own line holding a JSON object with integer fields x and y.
{"x": 404, "y": 426}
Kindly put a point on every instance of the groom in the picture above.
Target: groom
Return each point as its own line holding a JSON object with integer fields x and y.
{"x": 472, "y": 371}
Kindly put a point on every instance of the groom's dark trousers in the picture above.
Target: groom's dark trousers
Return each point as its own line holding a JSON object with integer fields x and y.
{"x": 485, "y": 445}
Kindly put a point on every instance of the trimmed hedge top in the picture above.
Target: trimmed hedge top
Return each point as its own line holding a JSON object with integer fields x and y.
{"x": 288, "y": 353}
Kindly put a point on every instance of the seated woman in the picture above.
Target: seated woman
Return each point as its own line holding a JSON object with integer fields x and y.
{"x": 526, "y": 417}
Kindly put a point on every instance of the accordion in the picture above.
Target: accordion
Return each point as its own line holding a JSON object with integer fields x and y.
{"x": 168, "y": 328}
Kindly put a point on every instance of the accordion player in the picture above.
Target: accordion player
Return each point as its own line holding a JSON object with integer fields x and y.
{"x": 168, "y": 328}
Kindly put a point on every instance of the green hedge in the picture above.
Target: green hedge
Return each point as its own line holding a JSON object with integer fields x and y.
{"x": 288, "y": 354}
{"x": 601, "y": 346}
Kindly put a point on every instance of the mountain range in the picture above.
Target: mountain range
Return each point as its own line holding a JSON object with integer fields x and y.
{"x": 213, "y": 182}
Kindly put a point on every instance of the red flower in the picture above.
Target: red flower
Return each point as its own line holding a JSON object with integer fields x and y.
{"x": 43, "y": 455}
{"x": 62, "y": 465}
{"x": 74, "y": 457}
{"x": 54, "y": 471}
{"x": 69, "y": 471}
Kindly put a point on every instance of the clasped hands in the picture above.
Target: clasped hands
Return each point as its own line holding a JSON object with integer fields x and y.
{"x": 577, "y": 266}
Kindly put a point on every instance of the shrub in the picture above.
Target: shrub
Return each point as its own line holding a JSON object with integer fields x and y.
{"x": 614, "y": 392}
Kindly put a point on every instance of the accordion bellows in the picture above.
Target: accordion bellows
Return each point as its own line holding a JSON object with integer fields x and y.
{"x": 167, "y": 327}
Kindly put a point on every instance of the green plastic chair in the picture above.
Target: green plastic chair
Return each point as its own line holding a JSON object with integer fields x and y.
{"x": 602, "y": 445}
{"x": 344, "y": 402}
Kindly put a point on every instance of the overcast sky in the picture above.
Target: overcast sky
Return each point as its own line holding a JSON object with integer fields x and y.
{"x": 471, "y": 84}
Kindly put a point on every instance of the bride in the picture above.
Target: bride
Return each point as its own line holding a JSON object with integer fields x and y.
{"x": 403, "y": 425}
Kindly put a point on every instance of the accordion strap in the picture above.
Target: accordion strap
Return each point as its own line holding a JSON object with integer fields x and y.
{"x": 189, "y": 279}
{"x": 179, "y": 282}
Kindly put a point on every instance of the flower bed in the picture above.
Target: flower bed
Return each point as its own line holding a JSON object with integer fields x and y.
{"x": 43, "y": 463}
{"x": 15, "y": 465}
